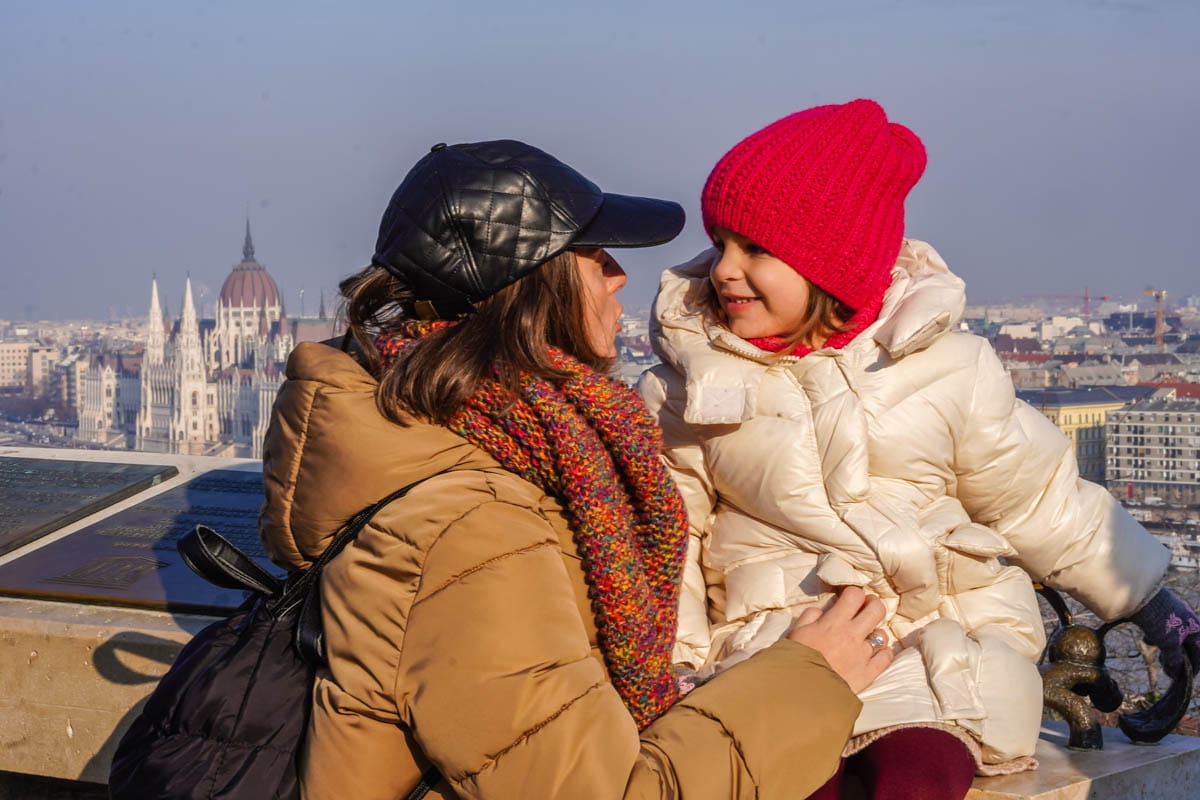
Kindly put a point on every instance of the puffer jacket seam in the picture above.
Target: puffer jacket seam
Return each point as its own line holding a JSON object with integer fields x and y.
{"x": 292, "y": 481}
{"x": 1012, "y": 478}
{"x": 733, "y": 742}
{"x": 493, "y": 477}
{"x": 533, "y": 730}
{"x": 454, "y": 579}
{"x": 481, "y": 565}
{"x": 849, "y": 376}
{"x": 973, "y": 401}
{"x": 951, "y": 427}
{"x": 400, "y": 647}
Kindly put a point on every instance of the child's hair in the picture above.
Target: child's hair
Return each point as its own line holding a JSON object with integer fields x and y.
{"x": 824, "y": 315}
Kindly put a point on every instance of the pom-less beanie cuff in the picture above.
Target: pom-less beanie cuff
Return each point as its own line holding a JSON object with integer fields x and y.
{"x": 823, "y": 189}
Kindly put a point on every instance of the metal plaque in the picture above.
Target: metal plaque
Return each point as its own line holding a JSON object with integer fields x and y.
{"x": 130, "y": 558}
{"x": 41, "y": 495}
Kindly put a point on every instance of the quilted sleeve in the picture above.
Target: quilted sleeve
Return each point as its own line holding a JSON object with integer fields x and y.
{"x": 685, "y": 459}
{"x": 499, "y": 685}
{"x": 1017, "y": 474}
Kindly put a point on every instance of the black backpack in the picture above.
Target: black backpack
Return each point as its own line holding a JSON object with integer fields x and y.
{"x": 228, "y": 718}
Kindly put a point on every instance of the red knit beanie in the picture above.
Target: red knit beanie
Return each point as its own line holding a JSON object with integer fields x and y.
{"x": 823, "y": 189}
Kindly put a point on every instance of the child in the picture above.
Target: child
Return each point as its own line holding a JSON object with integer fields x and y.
{"x": 829, "y": 427}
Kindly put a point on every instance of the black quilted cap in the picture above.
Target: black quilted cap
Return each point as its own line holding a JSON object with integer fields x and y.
{"x": 469, "y": 219}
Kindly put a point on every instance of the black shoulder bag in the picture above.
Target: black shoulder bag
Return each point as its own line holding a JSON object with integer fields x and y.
{"x": 229, "y": 716}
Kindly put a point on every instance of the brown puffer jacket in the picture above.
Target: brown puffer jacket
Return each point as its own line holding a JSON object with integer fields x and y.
{"x": 459, "y": 629}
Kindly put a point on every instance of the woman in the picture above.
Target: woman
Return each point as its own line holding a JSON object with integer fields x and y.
{"x": 511, "y": 619}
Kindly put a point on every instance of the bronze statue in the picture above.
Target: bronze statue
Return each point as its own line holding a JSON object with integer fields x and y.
{"x": 1076, "y": 671}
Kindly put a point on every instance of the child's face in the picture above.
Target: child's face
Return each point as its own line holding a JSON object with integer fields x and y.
{"x": 760, "y": 295}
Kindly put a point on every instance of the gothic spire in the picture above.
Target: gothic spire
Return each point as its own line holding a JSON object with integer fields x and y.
{"x": 248, "y": 246}
{"x": 155, "y": 307}
{"x": 156, "y": 335}
{"x": 187, "y": 316}
{"x": 190, "y": 353}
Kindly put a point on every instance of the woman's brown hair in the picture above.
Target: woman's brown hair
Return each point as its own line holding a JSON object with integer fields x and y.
{"x": 510, "y": 333}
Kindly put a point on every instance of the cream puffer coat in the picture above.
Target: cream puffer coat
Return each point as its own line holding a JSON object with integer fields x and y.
{"x": 902, "y": 463}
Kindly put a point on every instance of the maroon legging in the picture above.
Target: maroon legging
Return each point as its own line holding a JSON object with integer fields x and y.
{"x": 908, "y": 764}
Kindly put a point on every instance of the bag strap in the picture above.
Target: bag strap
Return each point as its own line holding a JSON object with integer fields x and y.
{"x": 310, "y": 635}
{"x": 429, "y": 779}
{"x": 214, "y": 558}
{"x": 217, "y": 560}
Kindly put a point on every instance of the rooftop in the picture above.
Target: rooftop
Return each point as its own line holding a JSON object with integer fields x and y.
{"x": 1055, "y": 397}
{"x": 1163, "y": 404}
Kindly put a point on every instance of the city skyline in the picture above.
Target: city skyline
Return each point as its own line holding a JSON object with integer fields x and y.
{"x": 135, "y": 138}
{"x": 305, "y": 302}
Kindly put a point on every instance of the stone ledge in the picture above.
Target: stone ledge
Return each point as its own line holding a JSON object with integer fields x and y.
{"x": 73, "y": 675}
{"x": 1121, "y": 771}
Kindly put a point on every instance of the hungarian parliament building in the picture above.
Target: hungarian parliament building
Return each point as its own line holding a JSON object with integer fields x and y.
{"x": 199, "y": 386}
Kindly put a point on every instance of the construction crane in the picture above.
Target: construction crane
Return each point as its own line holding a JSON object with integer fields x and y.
{"x": 1160, "y": 299}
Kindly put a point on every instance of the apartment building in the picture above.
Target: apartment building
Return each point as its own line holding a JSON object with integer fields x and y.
{"x": 1082, "y": 415}
{"x": 1153, "y": 453}
{"x": 26, "y": 367}
{"x": 42, "y": 362}
{"x": 14, "y": 366}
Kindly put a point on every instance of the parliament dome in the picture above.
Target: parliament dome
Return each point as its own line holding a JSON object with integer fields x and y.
{"x": 249, "y": 285}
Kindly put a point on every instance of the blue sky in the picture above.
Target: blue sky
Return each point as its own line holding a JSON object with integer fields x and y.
{"x": 134, "y": 136}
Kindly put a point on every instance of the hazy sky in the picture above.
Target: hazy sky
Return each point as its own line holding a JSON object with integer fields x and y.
{"x": 134, "y": 136}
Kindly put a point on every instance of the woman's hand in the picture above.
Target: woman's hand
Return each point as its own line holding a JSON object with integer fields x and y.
{"x": 840, "y": 635}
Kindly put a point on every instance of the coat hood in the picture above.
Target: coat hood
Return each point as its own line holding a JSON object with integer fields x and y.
{"x": 924, "y": 301}
{"x": 329, "y": 453}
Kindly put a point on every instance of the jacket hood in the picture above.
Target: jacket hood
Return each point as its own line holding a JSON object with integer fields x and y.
{"x": 924, "y": 301}
{"x": 329, "y": 453}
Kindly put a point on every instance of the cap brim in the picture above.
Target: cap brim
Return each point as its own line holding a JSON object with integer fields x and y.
{"x": 625, "y": 221}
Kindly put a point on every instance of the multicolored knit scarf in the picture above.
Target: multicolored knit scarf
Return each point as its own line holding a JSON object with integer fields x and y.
{"x": 588, "y": 441}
